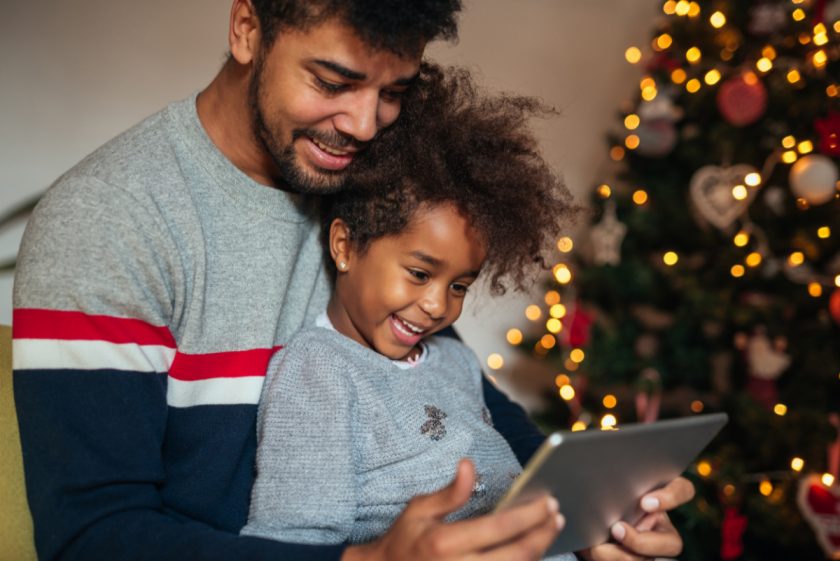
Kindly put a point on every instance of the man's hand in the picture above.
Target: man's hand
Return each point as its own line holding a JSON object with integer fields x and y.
{"x": 420, "y": 533}
{"x": 654, "y": 535}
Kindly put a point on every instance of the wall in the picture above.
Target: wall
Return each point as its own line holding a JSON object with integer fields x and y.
{"x": 75, "y": 73}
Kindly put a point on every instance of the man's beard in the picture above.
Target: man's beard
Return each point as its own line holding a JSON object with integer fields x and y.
{"x": 294, "y": 177}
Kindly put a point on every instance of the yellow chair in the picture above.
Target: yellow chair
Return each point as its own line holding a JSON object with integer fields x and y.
{"x": 16, "y": 538}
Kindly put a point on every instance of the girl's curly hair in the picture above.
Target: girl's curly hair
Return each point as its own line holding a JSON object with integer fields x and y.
{"x": 455, "y": 145}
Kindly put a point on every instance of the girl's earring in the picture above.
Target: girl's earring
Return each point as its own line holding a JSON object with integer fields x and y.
{"x": 342, "y": 265}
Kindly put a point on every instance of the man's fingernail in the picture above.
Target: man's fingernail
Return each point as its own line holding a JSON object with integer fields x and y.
{"x": 618, "y": 531}
{"x": 560, "y": 520}
{"x": 650, "y": 504}
{"x": 553, "y": 505}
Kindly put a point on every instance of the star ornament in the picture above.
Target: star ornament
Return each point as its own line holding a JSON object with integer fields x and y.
{"x": 829, "y": 131}
{"x": 607, "y": 236}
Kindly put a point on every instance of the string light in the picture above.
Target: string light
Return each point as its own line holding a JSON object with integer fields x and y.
{"x": 678, "y": 76}
{"x": 495, "y": 361}
{"x": 562, "y": 380}
{"x": 815, "y": 289}
{"x": 578, "y": 426}
{"x": 717, "y": 20}
{"x": 632, "y": 141}
{"x": 789, "y": 141}
{"x": 577, "y": 355}
{"x": 739, "y": 192}
{"x": 669, "y": 7}
{"x": 753, "y": 259}
{"x": 697, "y": 406}
{"x": 793, "y": 76}
{"x": 640, "y": 197}
{"x": 608, "y": 421}
{"x": 670, "y": 258}
{"x": 798, "y": 14}
{"x": 552, "y": 297}
{"x": 823, "y": 232}
{"x": 837, "y": 281}
{"x": 712, "y": 77}
{"x": 704, "y": 468}
{"x": 741, "y": 239}
{"x": 797, "y": 463}
{"x": 729, "y": 489}
{"x": 565, "y": 244}
{"x": 804, "y": 39}
{"x": 805, "y": 147}
{"x": 604, "y": 190}
{"x": 693, "y": 85}
{"x": 533, "y": 312}
{"x": 616, "y": 154}
{"x": 820, "y": 58}
{"x": 609, "y": 401}
{"x": 796, "y": 259}
{"x": 633, "y": 55}
{"x": 557, "y": 311}
{"x": 632, "y": 121}
{"x": 649, "y": 93}
{"x": 753, "y": 179}
{"x": 764, "y": 64}
{"x": 554, "y": 325}
{"x": 693, "y": 55}
{"x": 567, "y": 392}
{"x": 780, "y": 409}
{"x": 765, "y": 488}
{"x": 663, "y": 42}
{"x": 831, "y": 90}
{"x": 683, "y": 7}
{"x": 769, "y": 52}
{"x": 548, "y": 341}
{"x": 693, "y": 10}
{"x": 737, "y": 271}
{"x": 789, "y": 157}
{"x": 827, "y": 479}
{"x": 514, "y": 336}
{"x": 562, "y": 273}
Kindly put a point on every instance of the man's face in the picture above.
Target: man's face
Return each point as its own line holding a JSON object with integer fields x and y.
{"x": 319, "y": 96}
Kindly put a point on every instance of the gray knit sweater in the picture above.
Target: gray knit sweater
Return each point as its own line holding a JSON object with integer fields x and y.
{"x": 346, "y": 438}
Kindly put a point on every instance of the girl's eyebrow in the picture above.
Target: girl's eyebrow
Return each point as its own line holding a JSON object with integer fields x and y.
{"x": 435, "y": 262}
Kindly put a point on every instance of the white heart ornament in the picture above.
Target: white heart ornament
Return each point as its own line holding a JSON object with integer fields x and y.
{"x": 711, "y": 193}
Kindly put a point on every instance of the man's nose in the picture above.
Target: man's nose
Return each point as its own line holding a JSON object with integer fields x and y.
{"x": 360, "y": 119}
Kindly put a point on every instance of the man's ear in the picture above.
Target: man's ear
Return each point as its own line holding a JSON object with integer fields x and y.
{"x": 244, "y": 32}
{"x": 341, "y": 246}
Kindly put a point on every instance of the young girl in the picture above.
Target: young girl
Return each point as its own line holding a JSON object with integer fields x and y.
{"x": 369, "y": 408}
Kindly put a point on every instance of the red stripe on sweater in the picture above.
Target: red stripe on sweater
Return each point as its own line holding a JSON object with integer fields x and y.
{"x": 233, "y": 364}
{"x": 34, "y": 323}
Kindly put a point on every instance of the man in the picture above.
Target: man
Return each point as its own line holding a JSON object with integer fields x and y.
{"x": 158, "y": 276}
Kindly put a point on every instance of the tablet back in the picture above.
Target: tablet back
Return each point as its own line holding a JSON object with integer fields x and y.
{"x": 599, "y": 476}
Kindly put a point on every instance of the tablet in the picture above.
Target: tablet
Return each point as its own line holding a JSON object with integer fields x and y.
{"x": 599, "y": 476}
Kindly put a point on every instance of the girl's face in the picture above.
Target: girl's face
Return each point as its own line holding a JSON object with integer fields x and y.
{"x": 406, "y": 286}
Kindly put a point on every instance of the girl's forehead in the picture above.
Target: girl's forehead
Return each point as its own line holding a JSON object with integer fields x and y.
{"x": 443, "y": 233}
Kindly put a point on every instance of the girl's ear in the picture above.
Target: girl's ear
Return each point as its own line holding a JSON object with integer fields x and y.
{"x": 341, "y": 247}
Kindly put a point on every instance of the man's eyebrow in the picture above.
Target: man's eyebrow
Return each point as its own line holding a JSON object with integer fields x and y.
{"x": 341, "y": 70}
{"x": 359, "y": 76}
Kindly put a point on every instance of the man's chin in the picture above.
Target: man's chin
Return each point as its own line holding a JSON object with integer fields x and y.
{"x": 311, "y": 182}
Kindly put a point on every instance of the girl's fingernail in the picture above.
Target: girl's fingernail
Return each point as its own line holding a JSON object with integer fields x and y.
{"x": 618, "y": 531}
{"x": 650, "y": 504}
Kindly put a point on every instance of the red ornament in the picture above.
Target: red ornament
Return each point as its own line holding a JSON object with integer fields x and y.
{"x": 742, "y": 99}
{"x": 829, "y": 130}
{"x": 732, "y": 534}
{"x": 820, "y": 505}
{"x": 577, "y": 332}
{"x": 834, "y": 305}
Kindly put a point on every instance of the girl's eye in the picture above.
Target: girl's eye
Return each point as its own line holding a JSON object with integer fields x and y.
{"x": 421, "y": 276}
{"x": 330, "y": 87}
{"x": 460, "y": 289}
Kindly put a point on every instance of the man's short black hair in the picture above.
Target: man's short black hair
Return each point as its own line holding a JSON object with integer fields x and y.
{"x": 399, "y": 26}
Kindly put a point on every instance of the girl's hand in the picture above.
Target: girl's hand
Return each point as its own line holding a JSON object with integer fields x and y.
{"x": 420, "y": 533}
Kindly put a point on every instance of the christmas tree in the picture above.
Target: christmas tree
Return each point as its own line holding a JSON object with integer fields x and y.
{"x": 709, "y": 279}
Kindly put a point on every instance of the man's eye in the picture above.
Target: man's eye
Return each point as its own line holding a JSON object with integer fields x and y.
{"x": 330, "y": 87}
{"x": 419, "y": 275}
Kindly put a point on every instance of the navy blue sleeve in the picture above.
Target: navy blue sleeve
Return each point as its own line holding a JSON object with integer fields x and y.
{"x": 508, "y": 417}
{"x": 82, "y": 512}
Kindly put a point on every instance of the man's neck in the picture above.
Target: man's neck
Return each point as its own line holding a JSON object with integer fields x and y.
{"x": 225, "y": 114}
